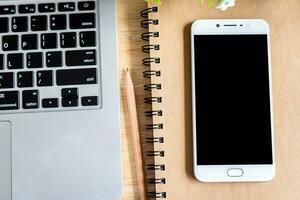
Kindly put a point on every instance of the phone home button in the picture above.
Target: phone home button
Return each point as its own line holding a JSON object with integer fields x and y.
{"x": 235, "y": 172}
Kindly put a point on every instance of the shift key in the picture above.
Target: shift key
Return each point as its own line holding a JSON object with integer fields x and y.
{"x": 9, "y": 100}
{"x": 81, "y": 58}
{"x": 76, "y": 77}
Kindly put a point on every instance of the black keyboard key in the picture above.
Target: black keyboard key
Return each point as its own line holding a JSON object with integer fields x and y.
{"x": 30, "y": 99}
{"x": 71, "y": 93}
{"x": 46, "y": 7}
{"x": 58, "y": 22}
{"x": 54, "y": 59}
{"x": 1, "y": 61}
{"x": 67, "y": 6}
{"x": 44, "y": 78}
{"x": 9, "y": 100}
{"x": 25, "y": 79}
{"x": 29, "y": 8}
{"x": 86, "y": 5}
{"x": 89, "y": 101}
{"x": 34, "y": 60}
{"x": 10, "y": 43}
{"x": 76, "y": 76}
{"x": 19, "y": 24}
{"x": 15, "y": 61}
{"x": 69, "y": 97}
{"x": 49, "y": 41}
{"x": 39, "y": 23}
{"x": 6, "y": 80}
{"x": 82, "y": 21}
{"x": 29, "y": 42}
{"x": 3, "y": 25}
{"x": 81, "y": 57}
{"x": 69, "y": 102}
{"x": 68, "y": 40}
{"x": 50, "y": 103}
{"x": 87, "y": 39}
{"x": 7, "y": 10}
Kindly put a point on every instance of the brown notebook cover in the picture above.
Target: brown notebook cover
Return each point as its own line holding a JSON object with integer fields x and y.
{"x": 173, "y": 61}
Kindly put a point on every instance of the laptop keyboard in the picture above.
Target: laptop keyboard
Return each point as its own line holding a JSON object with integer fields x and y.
{"x": 49, "y": 58}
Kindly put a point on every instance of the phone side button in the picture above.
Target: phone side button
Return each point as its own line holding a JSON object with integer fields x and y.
{"x": 235, "y": 172}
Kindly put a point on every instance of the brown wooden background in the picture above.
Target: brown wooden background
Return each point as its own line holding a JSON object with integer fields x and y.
{"x": 130, "y": 56}
{"x": 176, "y": 17}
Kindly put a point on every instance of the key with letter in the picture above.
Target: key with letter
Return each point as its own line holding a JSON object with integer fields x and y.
{"x": 10, "y": 43}
{"x": 29, "y": 41}
{"x": 15, "y": 61}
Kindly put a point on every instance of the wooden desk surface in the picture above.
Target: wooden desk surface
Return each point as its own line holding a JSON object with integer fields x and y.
{"x": 130, "y": 56}
{"x": 284, "y": 19}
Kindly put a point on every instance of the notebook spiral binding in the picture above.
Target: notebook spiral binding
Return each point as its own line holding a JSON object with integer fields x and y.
{"x": 148, "y": 62}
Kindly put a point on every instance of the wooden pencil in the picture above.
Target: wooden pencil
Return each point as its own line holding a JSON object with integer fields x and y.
{"x": 133, "y": 117}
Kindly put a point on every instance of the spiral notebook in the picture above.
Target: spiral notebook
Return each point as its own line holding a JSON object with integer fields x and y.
{"x": 167, "y": 64}
{"x": 155, "y": 100}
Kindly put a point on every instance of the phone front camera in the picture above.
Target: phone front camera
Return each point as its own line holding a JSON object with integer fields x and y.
{"x": 218, "y": 25}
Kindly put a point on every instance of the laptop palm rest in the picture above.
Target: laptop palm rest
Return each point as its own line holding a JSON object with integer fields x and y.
{"x": 5, "y": 160}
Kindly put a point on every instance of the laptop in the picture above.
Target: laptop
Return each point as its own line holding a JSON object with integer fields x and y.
{"x": 59, "y": 101}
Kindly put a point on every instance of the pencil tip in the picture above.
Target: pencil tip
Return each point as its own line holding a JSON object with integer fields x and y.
{"x": 127, "y": 69}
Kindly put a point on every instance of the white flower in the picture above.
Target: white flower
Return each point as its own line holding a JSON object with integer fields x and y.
{"x": 225, "y": 4}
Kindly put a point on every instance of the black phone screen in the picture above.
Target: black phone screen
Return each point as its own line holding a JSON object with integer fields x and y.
{"x": 233, "y": 112}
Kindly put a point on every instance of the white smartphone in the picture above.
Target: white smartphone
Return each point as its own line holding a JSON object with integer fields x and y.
{"x": 232, "y": 101}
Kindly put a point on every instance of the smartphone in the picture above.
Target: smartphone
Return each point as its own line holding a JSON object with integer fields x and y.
{"x": 232, "y": 101}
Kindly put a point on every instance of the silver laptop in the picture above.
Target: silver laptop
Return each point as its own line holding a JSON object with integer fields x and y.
{"x": 59, "y": 101}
